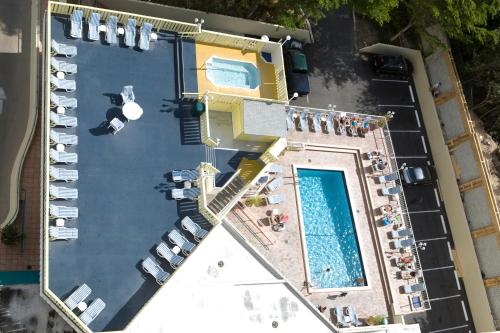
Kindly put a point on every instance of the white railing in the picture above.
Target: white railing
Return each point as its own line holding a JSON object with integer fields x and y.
{"x": 204, "y": 119}
{"x": 206, "y": 183}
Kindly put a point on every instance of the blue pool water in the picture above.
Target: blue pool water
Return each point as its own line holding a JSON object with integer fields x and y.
{"x": 331, "y": 240}
{"x": 19, "y": 277}
{"x": 232, "y": 73}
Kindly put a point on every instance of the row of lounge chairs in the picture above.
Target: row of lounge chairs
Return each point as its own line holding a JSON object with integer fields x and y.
{"x": 191, "y": 193}
{"x": 79, "y": 296}
{"x": 94, "y": 21}
{"x": 345, "y": 317}
{"x": 150, "y": 266}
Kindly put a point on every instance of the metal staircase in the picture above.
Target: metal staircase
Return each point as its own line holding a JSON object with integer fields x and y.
{"x": 210, "y": 156}
{"x": 226, "y": 195}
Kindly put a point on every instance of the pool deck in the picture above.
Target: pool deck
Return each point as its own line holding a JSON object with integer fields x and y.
{"x": 335, "y": 152}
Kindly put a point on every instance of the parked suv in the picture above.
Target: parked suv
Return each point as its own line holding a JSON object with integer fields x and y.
{"x": 296, "y": 68}
{"x": 391, "y": 65}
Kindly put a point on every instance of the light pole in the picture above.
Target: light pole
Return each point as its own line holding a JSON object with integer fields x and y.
{"x": 199, "y": 22}
{"x": 287, "y": 38}
{"x": 331, "y": 107}
{"x": 390, "y": 114}
{"x": 294, "y": 96}
{"x": 402, "y": 166}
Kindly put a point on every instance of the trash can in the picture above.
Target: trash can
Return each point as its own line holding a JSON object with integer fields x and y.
{"x": 198, "y": 109}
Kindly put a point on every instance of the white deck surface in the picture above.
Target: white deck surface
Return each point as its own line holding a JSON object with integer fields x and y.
{"x": 242, "y": 296}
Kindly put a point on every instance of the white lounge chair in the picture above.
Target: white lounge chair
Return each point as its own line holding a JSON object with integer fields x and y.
{"x": 63, "y": 212}
{"x": 166, "y": 253}
{"x": 176, "y": 238}
{"x": 317, "y": 122}
{"x": 63, "y": 49}
{"x": 62, "y": 84}
{"x": 354, "y": 316}
{"x": 401, "y": 243}
{"x": 66, "y": 175}
{"x": 185, "y": 193}
{"x": 130, "y": 31}
{"x": 127, "y": 94}
{"x": 184, "y": 175}
{"x": 329, "y": 123}
{"x": 413, "y": 288}
{"x": 304, "y": 120}
{"x": 62, "y": 233}
{"x": 59, "y": 192}
{"x": 189, "y": 225}
{"x": 76, "y": 23}
{"x": 151, "y": 267}
{"x": 62, "y": 120}
{"x": 79, "y": 295}
{"x": 64, "y": 138}
{"x": 116, "y": 125}
{"x": 92, "y": 311}
{"x": 290, "y": 121}
{"x": 60, "y": 100}
{"x": 145, "y": 36}
{"x": 392, "y": 190}
{"x": 275, "y": 199}
{"x": 62, "y": 157}
{"x": 340, "y": 317}
{"x": 402, "y": 233}
{"x": 275, "y": 168}
{"x": 63, "y": 66}
{"x": 275, "y": 184}
{"x": 112, "y": 30}
{"x": 389, "y": 177}
{"x": 94, "y": 22}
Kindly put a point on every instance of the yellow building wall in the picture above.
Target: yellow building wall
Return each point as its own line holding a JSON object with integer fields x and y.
{"x": 237, "y": 118}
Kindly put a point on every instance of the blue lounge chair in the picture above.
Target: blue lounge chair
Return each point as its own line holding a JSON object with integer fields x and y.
{"x": 389, "y": 177}
{"x": 354, "y": 316}
{"x": 60, "y": 100}
{"x": 62, "y": 233}
{"x": 304, "y": 119}
{"x": 61, "y": 120}
{"x": 414, "y": 288}
{"x": 317, "y": 122}
{"x": 151, "y": 267}
{"x": 166, "y": 253}
{"x": 329, "y": 123}
{"x": 63, "y": 66}
{"x": 63, "y": 212}
{"x": 94, "y": 22}
{"x": 290, "y": 122}
{"x": 92, "y": 311}
{"x": 62, "y": 84}
{"x": 401, "y": 243}
{"x": 65, "y": 175}
{"x": 340, "y": 317}
{"x": 76, "y": 23}
{"x": 275, "y": 199}
{"x": 184, "y": 175}
{"x": 57, "y": 156}
{"x": 130, "y": 31}
{"x": 63, "y": 138}
{"x": 145, "y": 36}
{"x": 68, "y": 51}
{"x": 275, "y": 184}
{"x": 185, "y": 193}
{"x": 392, "y": 190}
{"x": 79, "y": 295}
{"x": 189, "y": 225}
{"x": 401, "y": 233}
{"x": 59, "y": 192}
{"x": 112, "y": 30}
{"x": 176, "y": 238}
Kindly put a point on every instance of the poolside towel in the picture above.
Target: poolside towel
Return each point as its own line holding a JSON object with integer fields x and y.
{"x": 76, "y": 23}
{"x": 66, "y": 175}
{"x": 79, "y": 295}
{"x": 130, "y": 31}
{"x": 94, "y": 22}
{"x": 59, "y": 48}
{"x": 189, "y": 225}
{"x": 92, "y": 311}
{"x": 176, "y": 238}
{"x": 112, "y": 30}
{"x": 63, "y": 66}
{"x": 166, "y": 253}
{"x": 150, "y": 266}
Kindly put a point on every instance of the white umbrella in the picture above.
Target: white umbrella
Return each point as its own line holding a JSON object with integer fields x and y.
{"x": 132, "y": 110}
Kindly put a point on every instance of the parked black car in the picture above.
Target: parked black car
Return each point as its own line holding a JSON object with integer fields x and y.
{"x": 418, "y": 175}
{"x": 391, "y": 65}
{"x": 296, "y": 68}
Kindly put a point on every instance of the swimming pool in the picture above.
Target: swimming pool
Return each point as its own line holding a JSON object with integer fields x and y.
{"x": 232, "y": 73}
{"x": 332, "y": 247}
{"x": 19, "y": 277}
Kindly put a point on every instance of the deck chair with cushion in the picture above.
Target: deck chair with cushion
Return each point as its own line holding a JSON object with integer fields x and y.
{"x": 63, "y": 66}
{"x": 112, "y": 30}
{"x": 130, "y": 31}
{"x": 61, "y": 174}
{"x": 151, "y": 267}
{"x": 92, "y": 311}
{"x": 401, "y": 243}
{"x": 354, "y": 316}
{"x": 340, "y": 317}
{"x": 290, "y": 121}
{"x": 60, "y": 120}
{"x": 184, "y": 175}
{"x": 189, "y": 225}
{"x": 317, "y": 122}
{"x": 59, "y": 192}
{"x": 166, "y": 253}
{"x": 64, "y": 138}
{"x": 63, "y": 212}
{"x": 94, "y": 22}
{"x": 76, "y": 19}
{"x": 401, "y": 233}
{"x": 304, "y": 119}
{"x": 57, "y": 156}
{"x": 275, "y": 168}
{"x": 176, "y": 238}
{"x": 329, "y": 123}
{"x": 392, "y": 190}
{"x": 145, "y": 36}
{"x": 275, "y": 184}
{"x": 389, "y": 177}
{"x": 127, "y": 94}
{"x": 79, "y": 295}
{"x": 68, "y": 51}
{"x": 185, "y": 193}
{"x": 62, "y": 84}
{"x": 60, "y": 100}
{"x": 62, "y": 233}
{"x": 413, "y": 288}
{"x": 275, "y": 199}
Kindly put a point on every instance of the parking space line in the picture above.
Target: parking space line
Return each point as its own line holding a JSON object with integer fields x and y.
{"x": 388, "y": 80}
{"x": 411, "y": 93}
{"x": 396, "y": 105}
{"x": 449, "y": 250}
{"x": 405, "y": 131}
{"x": 444, "y": 224}
{"x": 425, "y": 211}
{"x": 437, "y": 268}
{"x": 458, "y": 281}
{"x": 449, "y": 329}
{"x": 423, "y": 143}
{"x": 465, "y": 311}
{"x": 443, "y": 298}
{"x": 437, "y": 197}
{"x": 418, "y": 119}
{"x": 420, "y": 156}
{"x": 431, "y": 239}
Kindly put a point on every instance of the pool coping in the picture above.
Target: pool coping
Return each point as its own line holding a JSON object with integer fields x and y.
{"x": 305, "y": 257}
{"x": 232, "y": 87}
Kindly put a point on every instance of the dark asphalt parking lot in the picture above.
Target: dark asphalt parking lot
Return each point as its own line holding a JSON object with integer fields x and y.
{"x": 342, "y": 77}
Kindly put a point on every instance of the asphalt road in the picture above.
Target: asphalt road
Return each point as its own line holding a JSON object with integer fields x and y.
{"x": 342, "y": 77}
